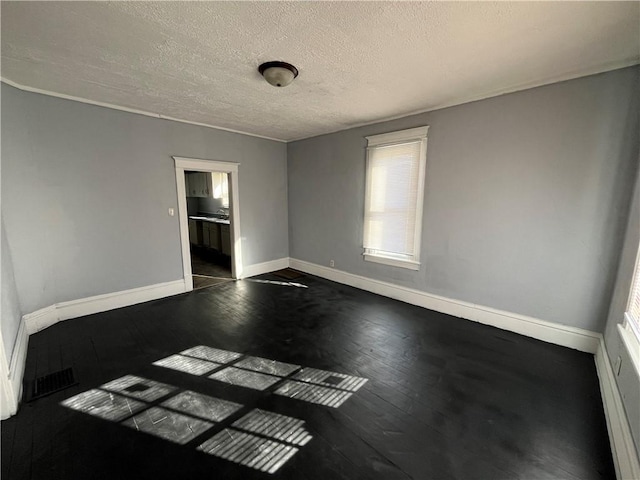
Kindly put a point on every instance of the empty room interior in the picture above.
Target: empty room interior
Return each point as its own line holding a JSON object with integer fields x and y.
{"x": 320, "y": 240}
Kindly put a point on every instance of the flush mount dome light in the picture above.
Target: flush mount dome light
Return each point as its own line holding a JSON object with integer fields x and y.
{"x": 278, "y": 74}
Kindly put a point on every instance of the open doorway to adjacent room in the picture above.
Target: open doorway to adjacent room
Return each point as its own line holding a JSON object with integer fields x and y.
{"x": 209, "y": 221}
{"x": 209, "y": 227}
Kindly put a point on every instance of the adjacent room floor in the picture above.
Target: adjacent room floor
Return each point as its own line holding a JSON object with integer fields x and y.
{"x": 209, "y": 267}
{"x": 265, "y": 378}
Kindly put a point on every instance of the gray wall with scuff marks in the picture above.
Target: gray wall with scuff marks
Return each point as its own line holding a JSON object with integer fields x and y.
{"x": 85, "y": 193}
{"x": 526, "y": 198}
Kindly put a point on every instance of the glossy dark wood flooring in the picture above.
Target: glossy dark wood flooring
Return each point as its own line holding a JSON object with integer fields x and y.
{"x": 210, "y": 263}
{"x": 445, "y": 398}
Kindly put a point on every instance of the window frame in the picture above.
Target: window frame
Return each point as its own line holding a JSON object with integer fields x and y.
{"x": 629, "y": 329}
{"x": 387, "y": 139}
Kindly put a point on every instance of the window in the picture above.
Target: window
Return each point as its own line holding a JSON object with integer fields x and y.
{"x": 632, "y": 316}
{"x": 220, "y": 187}
{"x": 630, "y": 328}
{"x": 394, "y": 196}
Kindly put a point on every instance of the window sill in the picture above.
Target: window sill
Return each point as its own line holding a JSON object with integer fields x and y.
{"x": 631, "y": 342}
{"x": 394, "y": 262}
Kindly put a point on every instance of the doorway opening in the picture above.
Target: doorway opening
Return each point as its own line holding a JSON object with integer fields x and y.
{"x": 209, "y": 221}
{"x": 209, "y": 227}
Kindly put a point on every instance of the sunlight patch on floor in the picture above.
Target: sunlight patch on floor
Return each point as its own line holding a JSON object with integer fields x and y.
{"x": 258, "y": 439}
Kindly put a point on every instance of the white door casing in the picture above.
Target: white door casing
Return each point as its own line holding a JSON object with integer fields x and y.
{"x": 199, "y": 165}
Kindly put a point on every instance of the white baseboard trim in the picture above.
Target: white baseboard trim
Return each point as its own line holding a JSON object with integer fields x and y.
{"x": 576, "y": 338}
{"x": 45, "y": 317}
{"x": 625, "y": 457}
{"x": 265, "y": 267}
{"x": 40, "y": 319}
{"x": 11, "y": 373}
{"x": 18, "y": 361}
{"x": 8, "y": 404}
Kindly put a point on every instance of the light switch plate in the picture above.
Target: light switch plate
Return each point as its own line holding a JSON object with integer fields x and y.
{"x": 171, "y": 212}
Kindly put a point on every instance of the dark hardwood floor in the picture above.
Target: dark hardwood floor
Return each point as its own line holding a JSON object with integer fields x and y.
{"x": 210, "y": 263}
{"x": 444, "y": 398}
{"x": 209, "y": 267}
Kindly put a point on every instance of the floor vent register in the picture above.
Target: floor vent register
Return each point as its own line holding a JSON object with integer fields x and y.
{"x": 51, "y": 383}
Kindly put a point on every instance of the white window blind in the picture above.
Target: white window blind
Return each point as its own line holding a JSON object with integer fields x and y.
{"x": 630, "y": 328}
{"x": 394, "y": 197}
{"x": 633, "y": 307}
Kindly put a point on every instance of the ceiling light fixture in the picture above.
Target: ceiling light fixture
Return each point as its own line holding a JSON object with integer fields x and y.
{"x": 278, "y": 74}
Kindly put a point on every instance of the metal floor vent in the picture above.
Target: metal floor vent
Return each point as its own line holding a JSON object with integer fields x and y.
{"x": 54, "y": 382}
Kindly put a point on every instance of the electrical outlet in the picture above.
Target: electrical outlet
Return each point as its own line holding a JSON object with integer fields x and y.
{"x": 332, "y": 263}
{"x": 616, "y": 367}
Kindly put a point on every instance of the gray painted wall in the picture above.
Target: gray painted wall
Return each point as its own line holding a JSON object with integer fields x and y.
{"x": 525, "y": 205}
{"x": 85, "y": 193}
{"x": 11, "y": 312}
{"x": 627, "y": 381}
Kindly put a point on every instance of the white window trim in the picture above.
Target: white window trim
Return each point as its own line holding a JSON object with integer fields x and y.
{"x": 418, "y": 133}
{"x": 399, "y": 136}
{"x": 631, "y": 341}
{"x": 394, "y": 262}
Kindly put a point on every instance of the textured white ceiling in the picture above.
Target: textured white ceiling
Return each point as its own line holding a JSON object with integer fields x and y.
{"x": 359, "y": 61}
